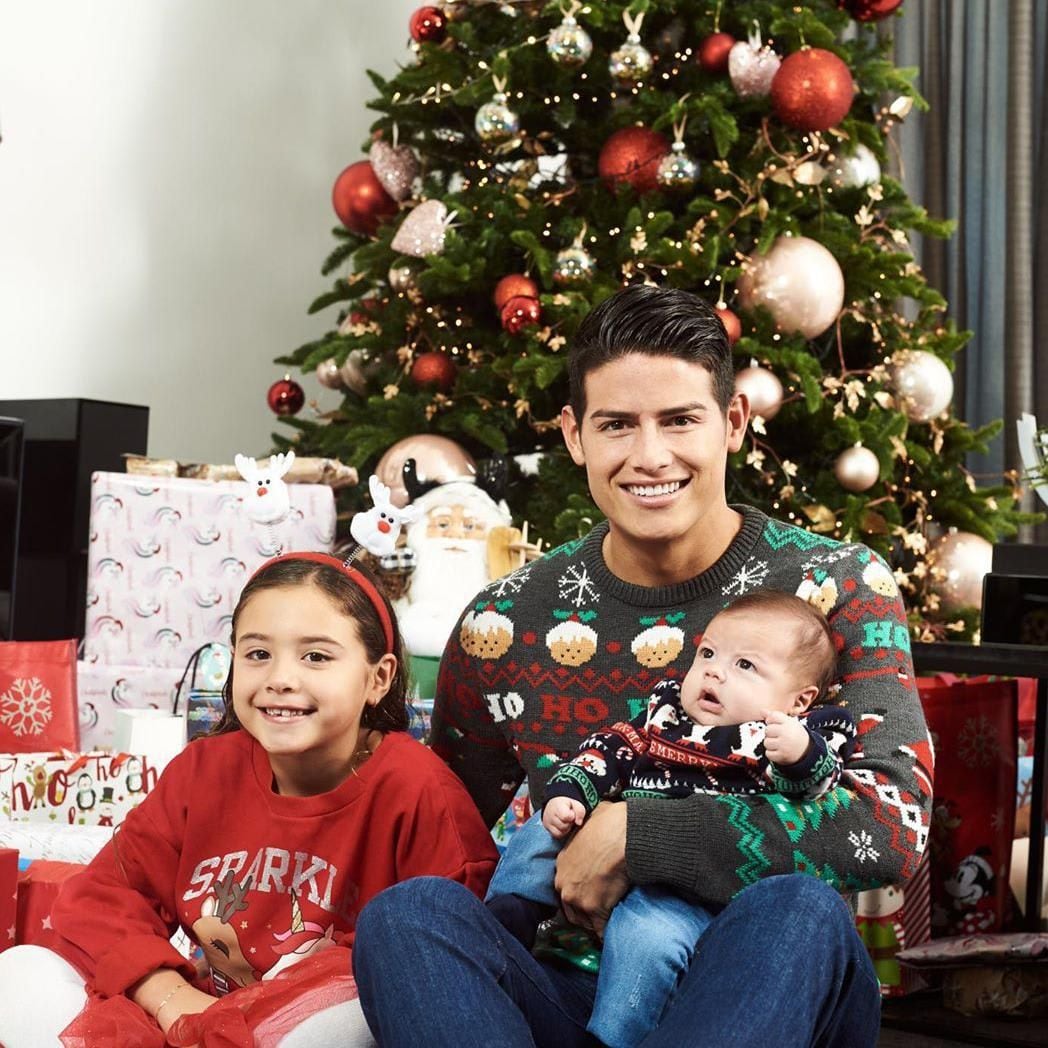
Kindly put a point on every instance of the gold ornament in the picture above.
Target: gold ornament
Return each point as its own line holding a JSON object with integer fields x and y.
{"x": 958, "y": 562}
{"x": 763, "y": 390}
{"x": 569, "y": 44}
{"x": 632, "y": 62}
{"x": 857, "y": 469}
{"x": 922, "y": 384}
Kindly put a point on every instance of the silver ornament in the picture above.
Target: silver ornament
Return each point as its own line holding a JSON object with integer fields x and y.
{"x": 677, "y": 170}
{"x": 356, "y": 371}
{"x": 631, "y": 63}
{"x": 401, "y": 277}
{"x": 752, "y": 68}
{"x": 327, "y": 374}
{"x": 495, "y": 121}
{"x": 573, "y": 267}
{"x": 860, "y": 168}
{"x": 922, "y": 384}
{"x": 423, "y": 230}
{"x": 857, "y": 469}
{"x": 396, "y": 168}
{"x": 569, "y": 44}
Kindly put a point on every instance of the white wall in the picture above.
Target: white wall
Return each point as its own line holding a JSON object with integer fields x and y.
{"x": 165, "y": 199}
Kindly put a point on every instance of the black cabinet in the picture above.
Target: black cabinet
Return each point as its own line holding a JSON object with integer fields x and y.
{"x": 65, "y": 441}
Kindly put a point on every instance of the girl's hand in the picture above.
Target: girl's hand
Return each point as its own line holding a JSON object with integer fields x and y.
{"x": 561, "y": 815}
{"x": 785, "y": 739}
{"x": 188, "y": 1001}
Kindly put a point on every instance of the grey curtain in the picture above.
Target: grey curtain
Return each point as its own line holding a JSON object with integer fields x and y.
{"x": 980, "y": 157}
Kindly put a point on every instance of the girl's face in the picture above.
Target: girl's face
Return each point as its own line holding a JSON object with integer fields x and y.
{"x": 301, "y": 681}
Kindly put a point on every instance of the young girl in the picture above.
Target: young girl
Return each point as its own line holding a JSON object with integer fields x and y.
{"x": 262, "y": 841}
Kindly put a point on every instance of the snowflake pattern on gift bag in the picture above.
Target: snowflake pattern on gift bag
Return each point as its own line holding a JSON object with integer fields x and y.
{"x": 25, "y": 707}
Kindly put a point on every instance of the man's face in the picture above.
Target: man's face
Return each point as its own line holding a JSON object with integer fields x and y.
{"x": 655, "y": 444}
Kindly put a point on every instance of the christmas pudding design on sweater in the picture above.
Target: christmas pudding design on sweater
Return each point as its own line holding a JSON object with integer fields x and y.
{"x": 661, "y": 642}
{"x": 486, "y": 632}
{"x": 572, "y": 642}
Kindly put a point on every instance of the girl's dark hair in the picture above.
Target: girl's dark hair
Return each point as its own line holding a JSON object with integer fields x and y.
{"x": 659, "y": 321}
{"x": 389, "y": 714}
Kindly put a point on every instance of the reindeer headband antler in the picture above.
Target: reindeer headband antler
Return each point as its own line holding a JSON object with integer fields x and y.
{"x": 351, "y": 573}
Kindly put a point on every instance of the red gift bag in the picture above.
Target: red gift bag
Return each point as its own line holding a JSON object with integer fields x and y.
{"x": 38, "y": 696}
{"x": 973, "y": 727}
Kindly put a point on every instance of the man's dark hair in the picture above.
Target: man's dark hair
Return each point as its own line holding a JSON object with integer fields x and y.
{"x": 660, "y": 321}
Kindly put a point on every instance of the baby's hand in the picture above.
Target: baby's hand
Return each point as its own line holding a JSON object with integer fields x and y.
{"x": 561, "y": 815}
{"x": 785, "y": 739}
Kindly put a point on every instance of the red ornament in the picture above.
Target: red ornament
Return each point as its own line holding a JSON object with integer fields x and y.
{"x": 520, "y": 312}
{"x": 285, "y": 396}
{"x": 813, "y": 90}
{"x": 732, "y": 324}
{"x": 632, "y": 156}
{"x": 359, "y": 199}
{"x": 434, "y": 369}
{"x": 869, "y": 10}
{"x": 713, "y": 52}
{"x": 428, "y": 25}
{"x": 514, "y": 284}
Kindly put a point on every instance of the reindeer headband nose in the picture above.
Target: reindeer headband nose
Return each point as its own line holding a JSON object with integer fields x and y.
{"x": 350, "y": 573}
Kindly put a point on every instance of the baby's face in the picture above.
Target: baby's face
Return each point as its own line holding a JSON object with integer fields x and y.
{"x": 742, "y": 670}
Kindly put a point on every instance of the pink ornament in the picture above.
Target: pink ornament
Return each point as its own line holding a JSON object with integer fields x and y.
{"x": 436, "y": 459}
{"x": 752, "y": 67}
{"x": 763, "y": 391}
{"x": 798, "y": 281}
{"x": 423, "y": 230}
{"x": 396, "y": 168}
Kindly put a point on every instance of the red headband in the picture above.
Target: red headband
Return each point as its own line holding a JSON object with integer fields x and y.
{"x": 355, "y": 576}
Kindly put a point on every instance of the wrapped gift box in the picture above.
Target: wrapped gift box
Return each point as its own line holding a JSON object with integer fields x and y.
{"x": 38, "y": 887}
{"x": 168, "y": 556}
{"x": 56, "y": 843}
{"x": 102, "y": 690}
{"x": 87, "y": 789}
{"x": 8, "y": 895}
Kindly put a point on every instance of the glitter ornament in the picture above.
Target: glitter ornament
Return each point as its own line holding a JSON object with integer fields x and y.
{"x": 752, "y": 67}
{"x": 798, "y": 281}
{"x": 434, "y": 369}
{"x": 423, "y": 230}
{"x": 401, "y": 277}
{"x": 958, "y": 561}
{"x": 520, "y": 312}
{"x": 713, "y": 52}
{"x": 922, "y": 384}
{"x": 428, "y": 25}
{"x": 514, "y": 284}
{"x": 677, "y": 170}
{"x": 495, "y": 121}
{"x": 632, "y": 62}
{"x": 396, "y": 167}
{"x": 632, "y": 155}
{"x": 731, "y": 322}
{"x": 869, "y": 10}
{"x": 359, "y": 199}
{"x": 327, "y": 374}
{"x": 857, "y": 469}
{"x": 568, "y": 44}
{"x": 763, "y": 390}
{"x": 859, "y": 168}
{"x": 573, "y": 267}
{"x": 813, "y": 90}
{"x": 285, "y": 396}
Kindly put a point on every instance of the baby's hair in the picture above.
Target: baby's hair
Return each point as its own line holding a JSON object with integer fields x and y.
{"x": 816, "y": 656}
{"x": 391, "y": 712}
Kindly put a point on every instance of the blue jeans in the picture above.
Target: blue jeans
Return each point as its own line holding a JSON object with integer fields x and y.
{"x": 780, "y": 964}
{"x": 648, "y": 942}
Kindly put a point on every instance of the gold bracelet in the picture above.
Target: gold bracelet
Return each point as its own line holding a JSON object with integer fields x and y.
{"x": 171, "y": 993}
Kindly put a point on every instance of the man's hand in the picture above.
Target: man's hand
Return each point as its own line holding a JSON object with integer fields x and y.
{"x": 785, "y": 739}
{"x": 591, "y": 870}
{"x": 562, "y": 814}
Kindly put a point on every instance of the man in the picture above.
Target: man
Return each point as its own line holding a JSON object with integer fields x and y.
{"x": 652, "y": 417}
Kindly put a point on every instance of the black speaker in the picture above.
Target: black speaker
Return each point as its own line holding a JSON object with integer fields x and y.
{"x": 10, "y": 509}
{"x": 65, "y": 441}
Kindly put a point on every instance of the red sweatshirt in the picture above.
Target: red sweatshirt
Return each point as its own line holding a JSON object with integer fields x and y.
{"x": 257, "y": 879}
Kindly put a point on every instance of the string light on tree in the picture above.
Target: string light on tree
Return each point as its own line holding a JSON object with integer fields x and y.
{"x": 632, "y": 62}
{"x": 568, "y": 44}
{"x": 857, "y": 469}
{"x": 285, "y": 396}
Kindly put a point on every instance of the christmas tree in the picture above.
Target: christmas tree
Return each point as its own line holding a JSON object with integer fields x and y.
{"x": 533, "y": 157}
